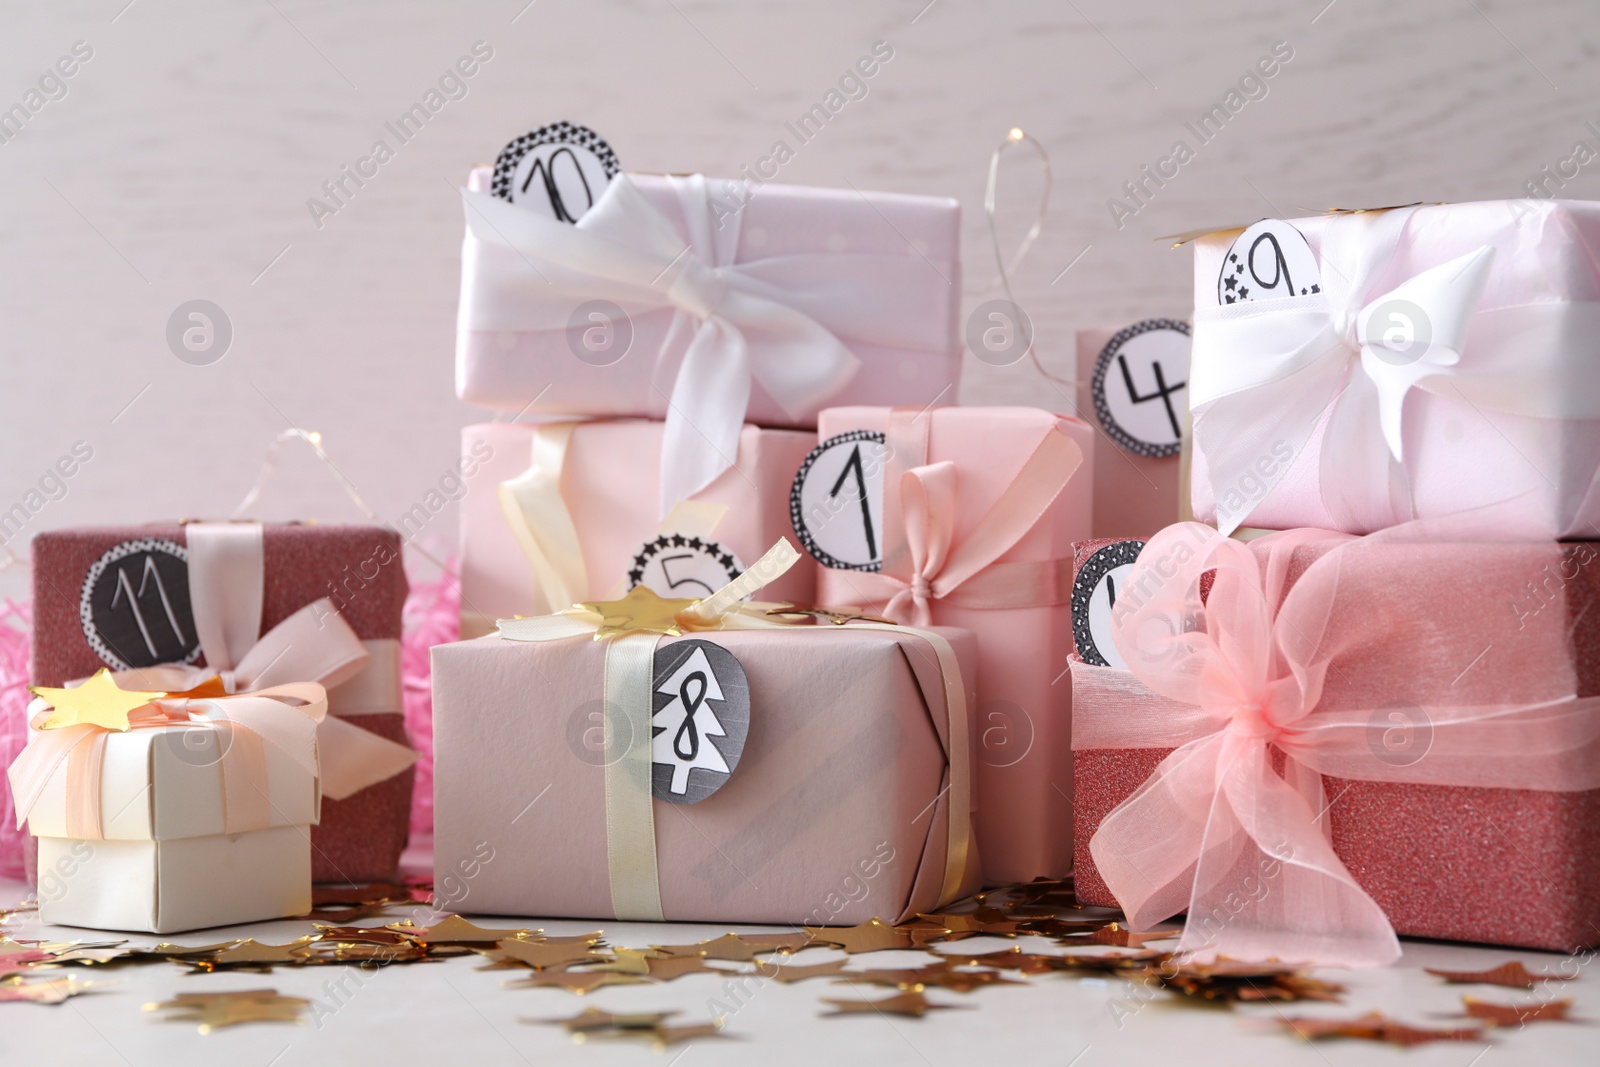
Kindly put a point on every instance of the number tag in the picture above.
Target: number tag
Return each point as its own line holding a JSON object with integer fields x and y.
{"x": 559, "y": 170}
{"x": 1140, "y": 387}
{"x": 1094, "y": 594}
{"x": 1268, "y": 261}
{"x": 674, "y": 565}
{"x": 836, "y": 501}
{"x": 134, "y": 605}
{"x": 701, "y": 717}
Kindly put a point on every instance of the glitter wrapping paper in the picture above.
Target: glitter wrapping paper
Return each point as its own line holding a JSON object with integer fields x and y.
{"x": 1022, "y": 777}
{"x": 1501, "y": 866}
{"x": 844, "y": 764}
{"x": 360, "y": 837}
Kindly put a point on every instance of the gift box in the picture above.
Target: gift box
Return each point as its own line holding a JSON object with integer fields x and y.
{"x": 198, "y": 815}
{"x": 776, "y": 774}
{"x": 709, "y": 304}
{"x": 966, "y": 516}
{"x": 155, "y": 600}
{"x": 1135, "y": 380}
{"x": 565, "y": 512}
{"x": 1358, "y": 369}
{"x": 1401, "y": 736}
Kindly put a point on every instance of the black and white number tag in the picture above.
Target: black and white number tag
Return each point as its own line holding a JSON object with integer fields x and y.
{"x": 560, "y": 170}
{"x": 1268, "y": 261}
{"x": 836, "y": 501}
{"x": 1140, "y": 386}
{"x": 700, "y": 721}
{"x": 134, "y": 605}
{"x": 675, "y": 565}
{"x": 1094, "y": 593}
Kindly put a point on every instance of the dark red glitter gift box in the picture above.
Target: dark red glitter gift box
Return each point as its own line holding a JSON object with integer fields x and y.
{"x": 1502, "y": 866}
{"x": 83, "y": 621}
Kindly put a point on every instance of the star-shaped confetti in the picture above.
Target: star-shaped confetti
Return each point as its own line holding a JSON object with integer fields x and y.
{"x": 641, "y": 611}
{"x": 454, "y": 930}
{"x": 1516, "y": 1014}
{"x": 540, "y": 955}
{"x": 43, "y": 991}
{"x": 1375, "y": 1026}
{"x": 97, "y": 702}
{"x": 913, "y": 1004}
{"x": 579, "y": 982}
{"x": 874, "y": 935}
{"x": 1512, "y": 975}
{"x": 216, "y": 1010}
{"x": 254, "y": 955}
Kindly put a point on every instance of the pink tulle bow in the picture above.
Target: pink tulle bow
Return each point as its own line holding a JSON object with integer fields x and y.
{"x": 1231, "y": 827}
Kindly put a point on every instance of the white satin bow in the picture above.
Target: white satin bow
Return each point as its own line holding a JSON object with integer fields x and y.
{"x": 762, "y": 321}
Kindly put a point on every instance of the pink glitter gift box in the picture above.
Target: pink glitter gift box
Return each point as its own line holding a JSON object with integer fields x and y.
{"x": 1425, "y": 632}
{"x": 118, "y": 597}
{"x": 966, "y": 516}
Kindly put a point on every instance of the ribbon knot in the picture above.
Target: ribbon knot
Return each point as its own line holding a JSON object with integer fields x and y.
{"x": 697, "y": 288}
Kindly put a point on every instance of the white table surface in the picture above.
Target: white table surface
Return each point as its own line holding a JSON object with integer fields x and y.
{"x": 453, "y": 1012}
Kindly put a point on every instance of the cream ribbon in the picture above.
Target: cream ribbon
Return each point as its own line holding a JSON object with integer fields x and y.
{"x": 537, "y": 514}
{"x": 629, "y": 666}
{"x": 1264, "y": 374}
{"x": 781, "y": 321}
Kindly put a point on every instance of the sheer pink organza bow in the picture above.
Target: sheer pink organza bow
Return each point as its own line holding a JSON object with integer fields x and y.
{"x": 1236, "y": 680}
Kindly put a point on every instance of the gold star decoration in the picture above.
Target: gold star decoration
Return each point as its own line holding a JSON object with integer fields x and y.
{"x": 795, "y": 972}
{"x": 454, "y": 930}
{"x": 1512, "y": 975}
{"x": 254, "y": 955}
{"x": 579, "y": 982}
{"x": 553, "y": 955}
{"x": 216, "y": 1010}
{"x": 874, "y": 935}
{"x": 913, "y": 1004}
{"x": 97, "y": 702}
{"x": 45, "y": 991}
{"x": 1516, "y": 1014}
{"x": 641, "y": 611}
{"x": 649, "y": 1026}
{"x": 1375, "y": 1026}
{"x": 730, "y": 947}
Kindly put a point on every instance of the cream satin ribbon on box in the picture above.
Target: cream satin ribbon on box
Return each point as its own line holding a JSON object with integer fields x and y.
{"x": 1268, "y": 372}
{"x": 922, "y": 561}
{"x": 539, "y": 519}
{"x": 286, "y": 717}
{"x": 629, "y": 667}
{"x": 227, "y": 572}
{"x": 781, "y": 321}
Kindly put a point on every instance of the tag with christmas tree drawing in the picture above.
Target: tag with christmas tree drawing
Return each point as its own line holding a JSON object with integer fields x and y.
{"x": 701, "y": 718}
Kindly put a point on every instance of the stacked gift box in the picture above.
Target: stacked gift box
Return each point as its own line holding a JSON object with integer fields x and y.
{"x": 1379, "y": 717}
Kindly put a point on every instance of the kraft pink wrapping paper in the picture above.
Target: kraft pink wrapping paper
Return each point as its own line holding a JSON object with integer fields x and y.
{"x": 610, "y": 483}
{"x": 1488, "y": 623}
{"x": 508, "y": 369}
{"x": 842, "y": 773}
{"x": 1460, "y": 455}
{"x": 1023, "y": 777}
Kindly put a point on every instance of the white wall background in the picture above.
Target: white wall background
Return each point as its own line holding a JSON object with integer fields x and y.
{"x": 178, "y": 165}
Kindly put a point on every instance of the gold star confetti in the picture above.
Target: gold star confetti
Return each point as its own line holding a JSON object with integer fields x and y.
{"x": 253, "y": 955}
{"x": 454, "y": 930}
{"x": 579, "y": 982}
{"x": 1122, "y": 937}
{"x": 43, "y": 991}
{"x": 913, "y": 1004}
{"x": 874, "y": 935}
{"x": 539, "y": 955}
{"x": 216, "y": 1010}
{"x": 1516, "y": 1014}
{"x": 97, "y": 702}
{"x": 795, "y": 972}
{"x": 641, "y": 611}
{"x": 1374, "y": 1026}
{"x": 1513, "y": 975}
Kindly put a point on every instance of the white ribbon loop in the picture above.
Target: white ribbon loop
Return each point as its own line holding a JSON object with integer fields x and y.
{"x": 749, "y": 322}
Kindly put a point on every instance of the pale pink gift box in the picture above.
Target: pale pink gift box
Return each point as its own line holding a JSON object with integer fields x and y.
{"x": 1023, "y": 762}
{"x": 1465, "y": 339}
{"x": 904, "y": 331}
{"x": 608, "y": 482}
{"x": 837, "y": 812}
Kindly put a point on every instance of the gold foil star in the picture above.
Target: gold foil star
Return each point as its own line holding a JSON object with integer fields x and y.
{"x": 640, "y": 612}
{"x": 216, "y": 1010}
{"x": 98, "y": 702}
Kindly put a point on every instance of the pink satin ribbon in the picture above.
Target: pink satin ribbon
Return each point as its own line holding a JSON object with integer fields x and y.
{"x": 923, "y": 563}
{"x": 284, "y": 717}
{"x": 1235, "y": 682}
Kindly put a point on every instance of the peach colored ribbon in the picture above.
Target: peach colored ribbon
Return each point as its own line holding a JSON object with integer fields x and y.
{"x": 1230, "y": 679}
{"x": 284, "y": 716}
{"x": 921, "y": 560}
